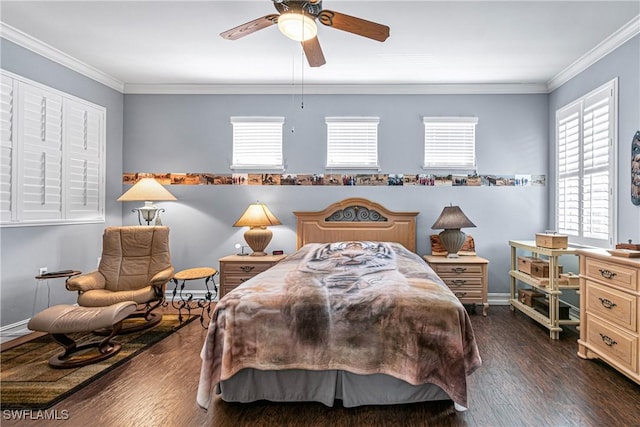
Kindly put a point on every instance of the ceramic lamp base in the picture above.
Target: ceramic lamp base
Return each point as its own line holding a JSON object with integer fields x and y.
{"x": 452, "y": 240}
{"x": 258, "y": 238}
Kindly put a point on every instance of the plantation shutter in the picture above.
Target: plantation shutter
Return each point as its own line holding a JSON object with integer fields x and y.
{"x": 569, "y": 173}
{"x": 7, "y": 146}
{"x": 40, "y": 178}
{"x": 83, "y": 127}
{"x": 597, "y": 140}
{"x": 450, "y": 142}
{"x": 257, "y": 142}
{"x": 352, "y": 142}
{"x": 585, "y": 133}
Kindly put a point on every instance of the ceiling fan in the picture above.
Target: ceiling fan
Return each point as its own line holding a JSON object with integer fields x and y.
{"x": 297, "y": 20}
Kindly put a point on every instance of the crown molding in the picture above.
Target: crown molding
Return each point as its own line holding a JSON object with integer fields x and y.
{"x": 608, "y": 45}
{"x": 337, "y": 89}
{"x": 43, "y": 49}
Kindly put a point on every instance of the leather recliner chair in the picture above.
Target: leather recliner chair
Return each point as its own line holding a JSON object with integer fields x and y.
{"x": 135, "y": 266}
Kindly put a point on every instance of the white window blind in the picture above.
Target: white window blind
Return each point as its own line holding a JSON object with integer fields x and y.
{"x": 352, "y": 142}
{"x": 257, "y": 142}
{"x": 450, "y": 142}
{"x": 586, "y": 167}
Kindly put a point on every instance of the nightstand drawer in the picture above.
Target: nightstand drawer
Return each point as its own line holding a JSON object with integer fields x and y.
{"x": 468, "y": 295}
{"x": 457, "y": 269}
{"x": 467, "y": 282}
{"x": 612, "y": 305}
{"x": 236, "y": 279}
{"x": 246, "y": 268}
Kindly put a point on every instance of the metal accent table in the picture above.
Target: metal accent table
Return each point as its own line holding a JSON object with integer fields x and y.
{"x": 186, "y": 300}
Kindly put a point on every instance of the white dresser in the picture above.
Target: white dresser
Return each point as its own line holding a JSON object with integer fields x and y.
{"x": 609, "y": 307}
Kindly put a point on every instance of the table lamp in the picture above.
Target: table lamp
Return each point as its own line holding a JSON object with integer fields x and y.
{"x": 148, "y": 190}
{"x": 452, "y": 219}
{"x": 257, "y": 217}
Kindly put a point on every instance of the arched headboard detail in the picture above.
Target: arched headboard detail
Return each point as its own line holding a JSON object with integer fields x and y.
{"x": 356, "y": 219}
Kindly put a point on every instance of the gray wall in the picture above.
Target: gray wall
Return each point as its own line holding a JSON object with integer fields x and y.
{"x": 623, "y": 63}
{"x": 176, "y": 133}
{"x": 24, "y": 249}
{"x": 192, "y": 133}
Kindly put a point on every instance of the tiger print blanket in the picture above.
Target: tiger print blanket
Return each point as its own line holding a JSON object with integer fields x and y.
{"x": 362, "y": 307}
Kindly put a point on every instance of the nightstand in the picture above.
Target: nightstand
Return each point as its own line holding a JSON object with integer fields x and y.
{"x": 466, "y": 276}
{"x": 236, "y": 269}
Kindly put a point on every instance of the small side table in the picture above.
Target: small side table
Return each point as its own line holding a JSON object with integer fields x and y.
{"x": 186, "y": 301}
{"x": 45, "y": 277}
{"x": 467, "y": 276}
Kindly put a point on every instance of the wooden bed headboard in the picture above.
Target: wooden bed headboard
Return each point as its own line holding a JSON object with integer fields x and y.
{"x": 357, "y": 219}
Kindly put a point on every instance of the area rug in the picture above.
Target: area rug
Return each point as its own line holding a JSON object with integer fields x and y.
{"x": 28, "y": 382}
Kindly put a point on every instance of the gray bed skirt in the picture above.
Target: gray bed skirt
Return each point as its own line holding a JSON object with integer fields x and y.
{"x": 295, "y": 385}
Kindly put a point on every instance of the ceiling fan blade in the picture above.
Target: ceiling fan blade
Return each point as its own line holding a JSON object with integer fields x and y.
{"x": 354, "y": 25}
{"x": 250, "y": 27}
{"x": 313, "y": 52}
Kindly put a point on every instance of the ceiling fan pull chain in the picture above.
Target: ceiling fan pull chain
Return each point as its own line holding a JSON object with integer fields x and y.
{"x": 302, "y": 82}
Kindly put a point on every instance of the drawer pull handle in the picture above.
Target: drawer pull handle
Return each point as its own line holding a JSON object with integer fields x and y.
{"x": 458, "y": 269}
{"x": 242, "y": 280}
{"x": 458, "y": 282}
{"x": 606, "y": 303}
{"x": 460, "y": 294}
{"x": 247, "y": 268}
{"x": 607, "y": 274}
{"x": 608, "y": 340}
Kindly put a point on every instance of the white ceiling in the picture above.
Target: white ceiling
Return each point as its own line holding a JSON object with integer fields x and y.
{"x": 169, "y": 43}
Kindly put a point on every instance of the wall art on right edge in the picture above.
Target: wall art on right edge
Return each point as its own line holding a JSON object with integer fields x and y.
{"x": 635, "y": 169}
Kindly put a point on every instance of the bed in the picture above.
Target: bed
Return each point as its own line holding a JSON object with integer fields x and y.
{"x": 353, "y": 315}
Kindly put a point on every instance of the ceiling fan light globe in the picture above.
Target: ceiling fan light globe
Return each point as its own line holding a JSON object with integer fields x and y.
{"x": 297, "y": 26}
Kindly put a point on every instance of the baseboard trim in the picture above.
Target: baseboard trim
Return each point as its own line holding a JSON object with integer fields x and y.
{"x": 14, "y": 330}
{"x": 498, "y": 298}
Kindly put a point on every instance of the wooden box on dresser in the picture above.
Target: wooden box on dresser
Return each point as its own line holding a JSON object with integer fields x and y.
{"x": 609, "y": 300}
{"x": 236, "y": 269}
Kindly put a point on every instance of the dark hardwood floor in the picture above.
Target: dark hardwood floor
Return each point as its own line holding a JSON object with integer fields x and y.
{"x": 526, "y": 379}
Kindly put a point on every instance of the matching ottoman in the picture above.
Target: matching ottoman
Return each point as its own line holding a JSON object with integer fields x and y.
{"x": 63, "y": 319}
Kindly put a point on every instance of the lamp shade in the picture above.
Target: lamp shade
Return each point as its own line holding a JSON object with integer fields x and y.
{"x": 452, "y": 218}
{"x": 147, "y": 189}
{"x": 257, "y": 215}
{"x": 297, "y": 26}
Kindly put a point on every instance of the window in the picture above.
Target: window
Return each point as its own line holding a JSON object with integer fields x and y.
{"x": 586, "y": 139}
{"x": 450, "y": 142}
{"x": 52, "y": 155}
{"x": 352, "y": 142}
{"x": 257, "y": 142}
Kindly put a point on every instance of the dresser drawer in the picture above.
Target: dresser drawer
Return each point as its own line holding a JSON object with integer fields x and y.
{"x": 462, "y": 281}
{"x": 457, "y": 269}
{"x": 615, "y": 274}
{"x": 245, "y": 268}
{"x": 615, "y": 306}
{"x": 614, "y": 344}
